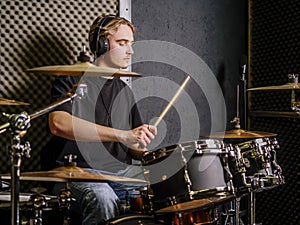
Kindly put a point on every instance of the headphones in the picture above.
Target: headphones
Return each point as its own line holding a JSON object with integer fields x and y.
{"x": 99, "y": 44}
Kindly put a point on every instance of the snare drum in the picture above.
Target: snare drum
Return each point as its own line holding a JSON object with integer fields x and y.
{"x": 255, "y": 164}
{"x": 188, "y": 171}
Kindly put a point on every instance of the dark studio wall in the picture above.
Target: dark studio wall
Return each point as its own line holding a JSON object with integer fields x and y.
{"x": 215, "y": 31}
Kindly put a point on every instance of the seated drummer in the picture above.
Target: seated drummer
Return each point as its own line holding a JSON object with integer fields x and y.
{"x": 104, "y": 128}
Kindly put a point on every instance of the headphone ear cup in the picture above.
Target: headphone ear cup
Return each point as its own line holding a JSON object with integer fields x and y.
{"x": 103, "y": 46}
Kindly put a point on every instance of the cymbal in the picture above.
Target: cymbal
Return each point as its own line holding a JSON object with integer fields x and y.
{"x": 82, "y": 68}
{"x": 288, "y": 86}
{"x": 193, "y": 204}
{"x": 240, "y": 133}
{"x": 4, "y": 101}
{"x": 71, "y": 174}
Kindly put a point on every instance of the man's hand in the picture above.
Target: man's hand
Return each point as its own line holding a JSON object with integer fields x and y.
{"x": 139, "y": 137}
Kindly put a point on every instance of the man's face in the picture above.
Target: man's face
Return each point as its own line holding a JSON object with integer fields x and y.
{"x": 120, "y": 44}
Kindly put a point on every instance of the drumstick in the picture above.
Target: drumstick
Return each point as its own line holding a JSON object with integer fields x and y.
{"x": 171, "y": 102}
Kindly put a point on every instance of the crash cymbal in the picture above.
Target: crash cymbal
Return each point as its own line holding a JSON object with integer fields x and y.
{"x": 240, "y": 133}
{"x": 4, "y": 101}
{"x": 71, "y": 174}
{"x": 288, "y": 86}
{"x": 82, "y": 68}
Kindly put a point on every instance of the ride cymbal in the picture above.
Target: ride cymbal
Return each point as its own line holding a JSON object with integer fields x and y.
{"x": 82, "y": 68}
{"x": 288, "y": 86}
{"x": 71, "y": 174}
{"x": 4, "y": 101}
{"x": 240, "y": 133}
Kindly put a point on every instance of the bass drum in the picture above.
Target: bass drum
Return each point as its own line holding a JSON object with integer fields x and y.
{"x": 133, "y": 220}
{"x": 136, "y": 201}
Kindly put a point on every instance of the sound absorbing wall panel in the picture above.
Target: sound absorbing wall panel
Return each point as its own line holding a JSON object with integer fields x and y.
{"x": 39, "y": 33}
{"x": 275, "y": 35}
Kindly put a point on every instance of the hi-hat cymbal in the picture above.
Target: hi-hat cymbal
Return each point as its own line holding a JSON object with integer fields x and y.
{"x": 4, "y": 101}
{"x": 71, "y": 174}
{"x": 82, "y": 68}
{"x": 240, "y": 133}
{"x": 288, "y": 86}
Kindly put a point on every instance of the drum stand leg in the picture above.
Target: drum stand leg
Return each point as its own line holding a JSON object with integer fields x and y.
{"x": 16, "y": 150}
{"x": 237, "y": 211}
{"x": 234, "y": 213}
{"x": 251, "y": 215}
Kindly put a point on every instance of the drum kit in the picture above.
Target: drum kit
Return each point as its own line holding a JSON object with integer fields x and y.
{"x": 211, "y": 173}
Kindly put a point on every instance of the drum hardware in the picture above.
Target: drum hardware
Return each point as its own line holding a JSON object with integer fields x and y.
{"x": 252, "y": 207}
{"x": 65, "y": 198}
{"x": 224, "y": 161}
{"x": 296, "y": 107}
{"x": 18, "y": 125}
{"x": 38, "y": 202}
{"x": 186, "y": 176}
{"x": 4, "y": 185}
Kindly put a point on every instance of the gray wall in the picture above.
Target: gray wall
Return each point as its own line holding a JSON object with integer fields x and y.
{"x": 215, "y": 31}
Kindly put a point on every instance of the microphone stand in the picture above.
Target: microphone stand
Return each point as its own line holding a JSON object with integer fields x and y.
{"x": 17, "y": 125}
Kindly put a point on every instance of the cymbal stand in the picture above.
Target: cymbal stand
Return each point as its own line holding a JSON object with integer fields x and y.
{"x": 295, "y": 105}
{"x": 236, "y": 119}
{"x": 252, "y": 202}
{"x": 233, "y": 213}
{"x": 17, "y": 125}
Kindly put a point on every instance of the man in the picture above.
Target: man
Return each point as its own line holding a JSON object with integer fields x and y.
{"x": 104, "y": 129}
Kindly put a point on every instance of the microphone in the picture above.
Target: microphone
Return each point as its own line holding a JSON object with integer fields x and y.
{"x": 243, "y": 65}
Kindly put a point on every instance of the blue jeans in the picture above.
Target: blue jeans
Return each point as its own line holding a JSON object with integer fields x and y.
{"x": 99, "y": 201}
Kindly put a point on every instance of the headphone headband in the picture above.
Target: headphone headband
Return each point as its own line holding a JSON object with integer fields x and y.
{"x": 99, "y": 44}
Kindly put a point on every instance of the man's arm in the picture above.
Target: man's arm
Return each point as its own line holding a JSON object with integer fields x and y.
{"x": 70, "y": 127}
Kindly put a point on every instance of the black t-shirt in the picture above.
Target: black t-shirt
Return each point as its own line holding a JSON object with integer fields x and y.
{"x": 108, "y": 102}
